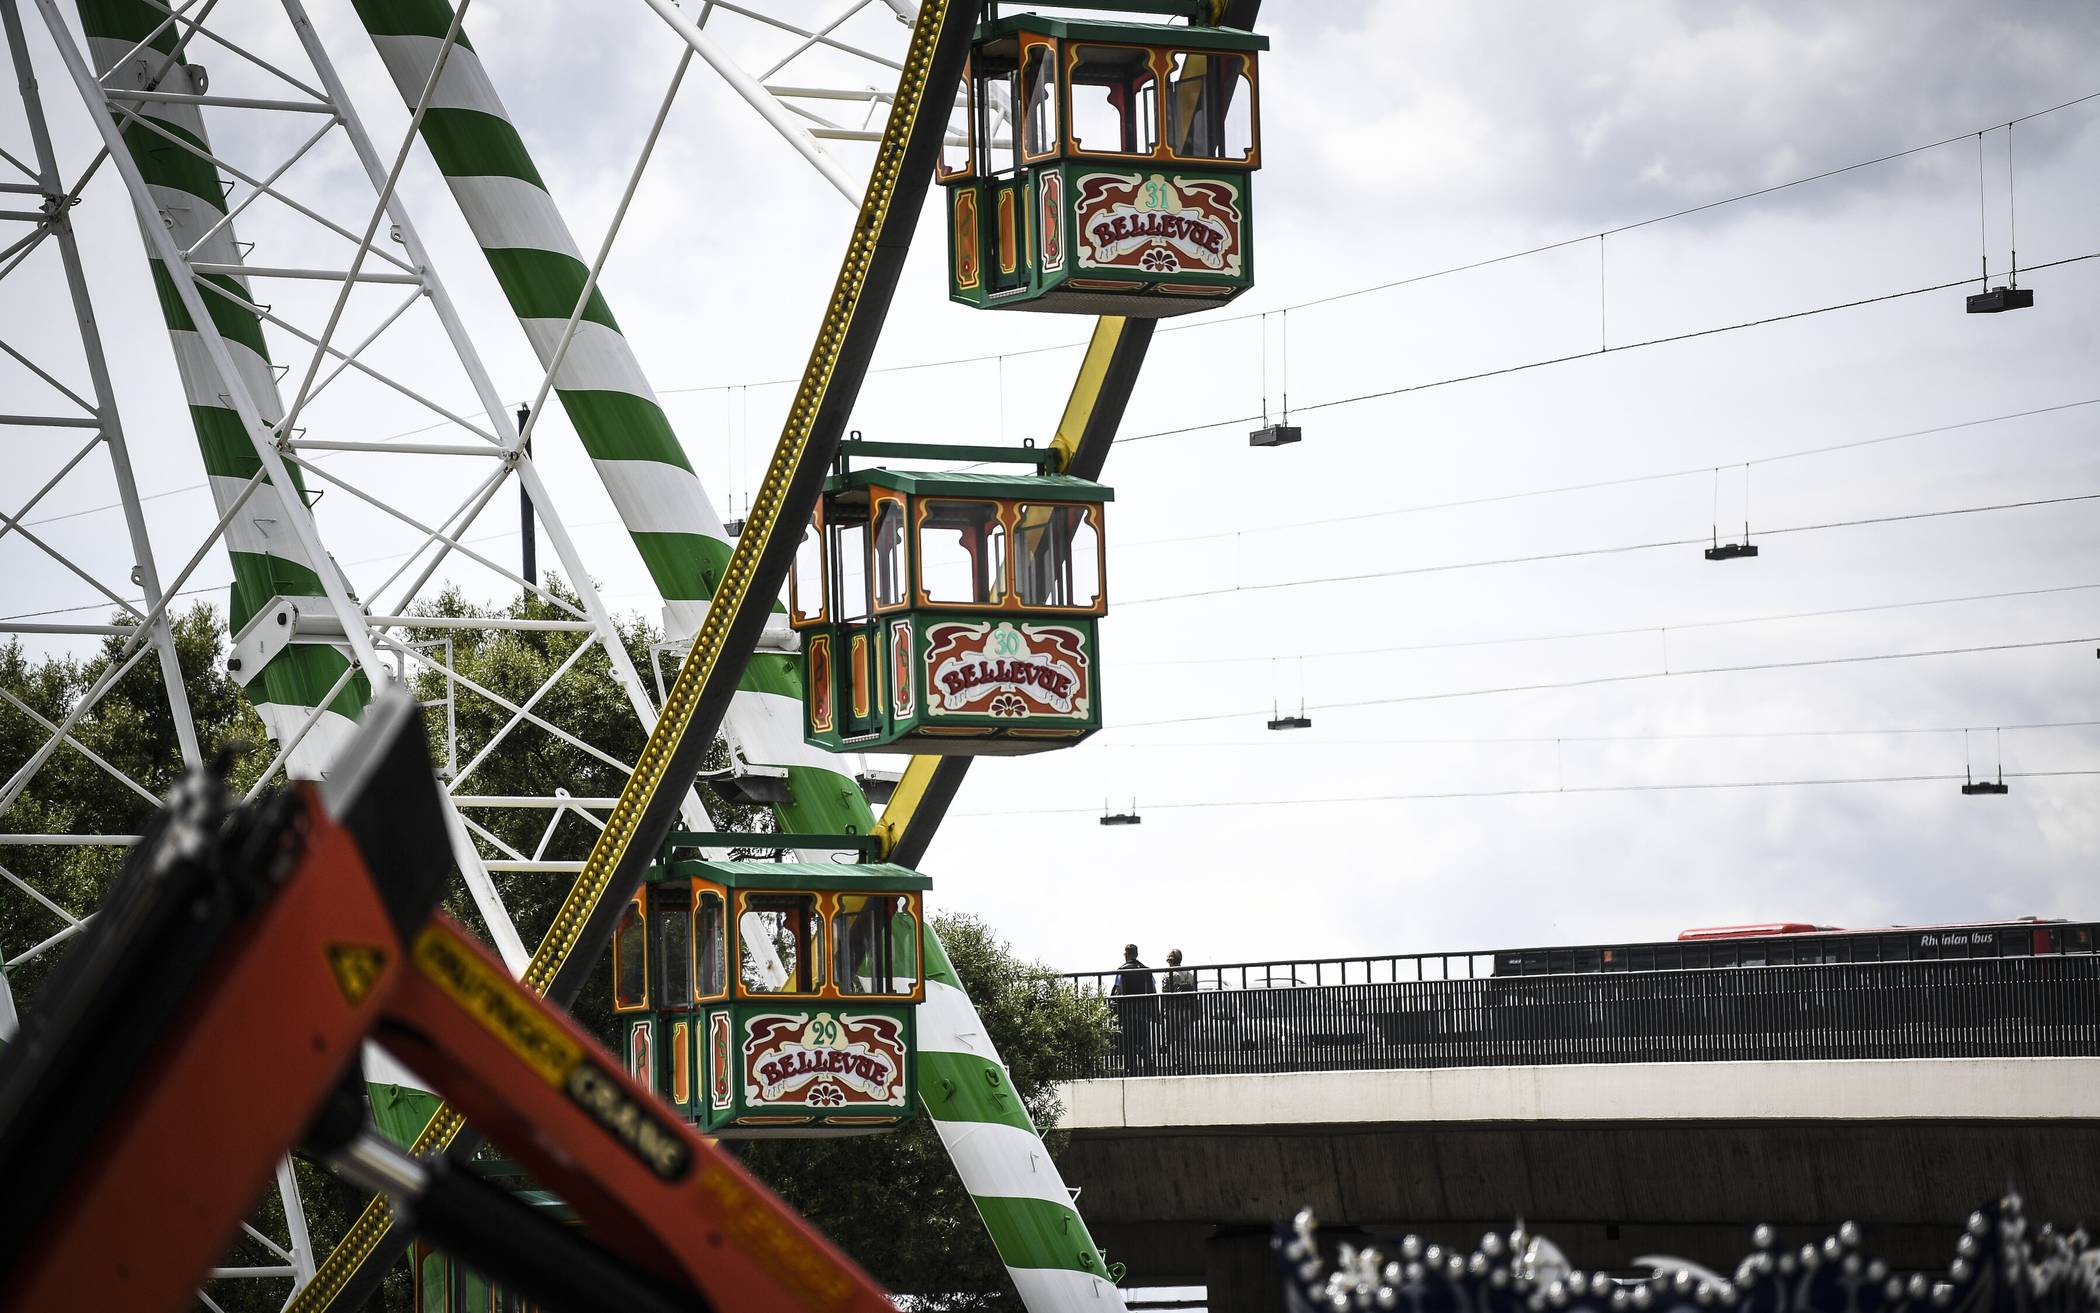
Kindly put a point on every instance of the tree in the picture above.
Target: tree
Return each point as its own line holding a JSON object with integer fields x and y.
{"x": 934, "y": 1247}
{"x": 132, "y": 729}
{"x": 849, "y": 1187}
{"x": 531, "y": 761}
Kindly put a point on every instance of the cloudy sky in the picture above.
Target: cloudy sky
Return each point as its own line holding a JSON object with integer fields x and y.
{"x": 1402, "y": 139}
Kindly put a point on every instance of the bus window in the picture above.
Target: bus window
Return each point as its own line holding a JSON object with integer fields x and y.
{"x": 806, "y": 584}
{"x": 998, "y": 144}
{"x": 956, "y": 146}
{"x": 1210, "y": 106}
{"x": 849, "y": 596}
{"x": 860, "y": 944}
{"x": 782, "y": 940}
{"x": 962, "y": 553}
{"x": 887, "y": 542}
{"x": 1057, "y": 556}
{"x": 1039, "y": 139}
{"x": 631, "y": 959}
{"x": 904, "y": 944}
{"x": 1115, "y": 101}
{"x": 710, "y": 947}
{"x": 673, "y": 918}
{"x": 875, "y": 944}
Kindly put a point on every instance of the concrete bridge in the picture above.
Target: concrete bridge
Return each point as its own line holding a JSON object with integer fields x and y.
{"x": 1883, "y": 1095}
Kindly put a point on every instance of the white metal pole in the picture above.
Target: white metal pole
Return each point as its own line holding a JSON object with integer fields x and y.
{"x": 769, "y": 109}
{"x": 55, "y": 198}
{"x": 9, "y": 1021}
{"x": 260, "y": 435}
{"x": 492, "y": 403}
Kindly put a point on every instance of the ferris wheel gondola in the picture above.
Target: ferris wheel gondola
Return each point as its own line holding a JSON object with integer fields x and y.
{"x": 1106, "y": 167}
{"x": 951, "y": 614}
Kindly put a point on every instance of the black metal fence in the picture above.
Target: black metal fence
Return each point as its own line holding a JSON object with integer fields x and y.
{"x": 1983, "y": 1007}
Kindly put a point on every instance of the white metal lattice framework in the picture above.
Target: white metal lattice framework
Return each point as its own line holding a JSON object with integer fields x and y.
{"x": 330, "y": 266}
{"x": 90, "y": 449}
{"x": 814, "y": 74}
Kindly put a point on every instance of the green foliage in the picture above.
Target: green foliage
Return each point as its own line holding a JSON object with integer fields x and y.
{"x": 129, "y": 727}
{"x": 893, "y": 1201}
{"x": 531, "y": 760}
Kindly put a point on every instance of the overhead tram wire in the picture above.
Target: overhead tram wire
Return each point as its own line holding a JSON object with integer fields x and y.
{"x": 1209, "y": 321}
{"x": 1573, "y": 554}
{"x": 1596, "y": 352}
{"x": 1714, "y": 786}
{"x": 1595, "y": 681}
{"x": 1214, "y": 320}
{"x": 1596, "y": 485}
{"x": 1681, "y": 736}
{"x": 1458, "y": 504}
{"x": 1630, "y": 631}
{"x": 1618, "y": 549}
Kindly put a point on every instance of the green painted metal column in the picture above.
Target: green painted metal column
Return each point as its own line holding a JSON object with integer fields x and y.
{"x": 268, "y": 561}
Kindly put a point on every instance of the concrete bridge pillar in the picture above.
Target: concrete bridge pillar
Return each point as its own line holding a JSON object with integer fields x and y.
{"x": 1240, "y": 1273}
{"x": 1240, "y": 1269}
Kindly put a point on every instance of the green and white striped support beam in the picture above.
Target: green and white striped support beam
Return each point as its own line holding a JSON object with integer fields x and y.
{"x": 965, "y": 1088}
{"x": 679, "y": 533}
{"x": 268, "y": 560}
{"x": 674, "y": 525}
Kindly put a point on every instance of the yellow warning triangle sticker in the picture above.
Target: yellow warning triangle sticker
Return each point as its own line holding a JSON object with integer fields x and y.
{"x": 356, "y": 968}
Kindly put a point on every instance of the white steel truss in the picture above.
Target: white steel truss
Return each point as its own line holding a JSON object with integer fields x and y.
{"x": 59, "y": 408}
{"x": 142, "y": 631}
{"x": 351, "y": 290}
{"x": 816, "y": 73}
{"x": 91, "y": 443}
{"x": 454, "y": 481}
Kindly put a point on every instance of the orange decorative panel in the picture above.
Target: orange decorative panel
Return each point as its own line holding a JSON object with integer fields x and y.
{"x": 901, "y": 700}
{"x": 1050, "y": 204}
{"x": 816, "y": 681}
{"x": 859, "y": 659}
{"x": 967, "y": 270}
{"x": 1009, "y": 255}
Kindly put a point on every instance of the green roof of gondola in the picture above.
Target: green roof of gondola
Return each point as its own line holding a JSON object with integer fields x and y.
{"x": 797, "y": 875}
{"x": 970, "y": 483}
{"x": 1149, "y": 34}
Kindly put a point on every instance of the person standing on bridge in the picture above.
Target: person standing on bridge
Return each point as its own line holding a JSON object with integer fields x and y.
{"x": 1178, "y": 981}
{"x": 1178, "y": 1013}
{"x": 1135, "y": 992}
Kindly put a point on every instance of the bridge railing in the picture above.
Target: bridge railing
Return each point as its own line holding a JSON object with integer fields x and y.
{"x": 1392, "y": 968}
{"x": 1983, "y": 1007}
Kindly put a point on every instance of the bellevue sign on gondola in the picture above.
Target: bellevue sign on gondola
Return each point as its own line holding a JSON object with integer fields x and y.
{"x": 1106, "y": 168}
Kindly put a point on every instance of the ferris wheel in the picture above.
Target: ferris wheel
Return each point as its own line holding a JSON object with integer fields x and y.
{"x": 357, "y": 450}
